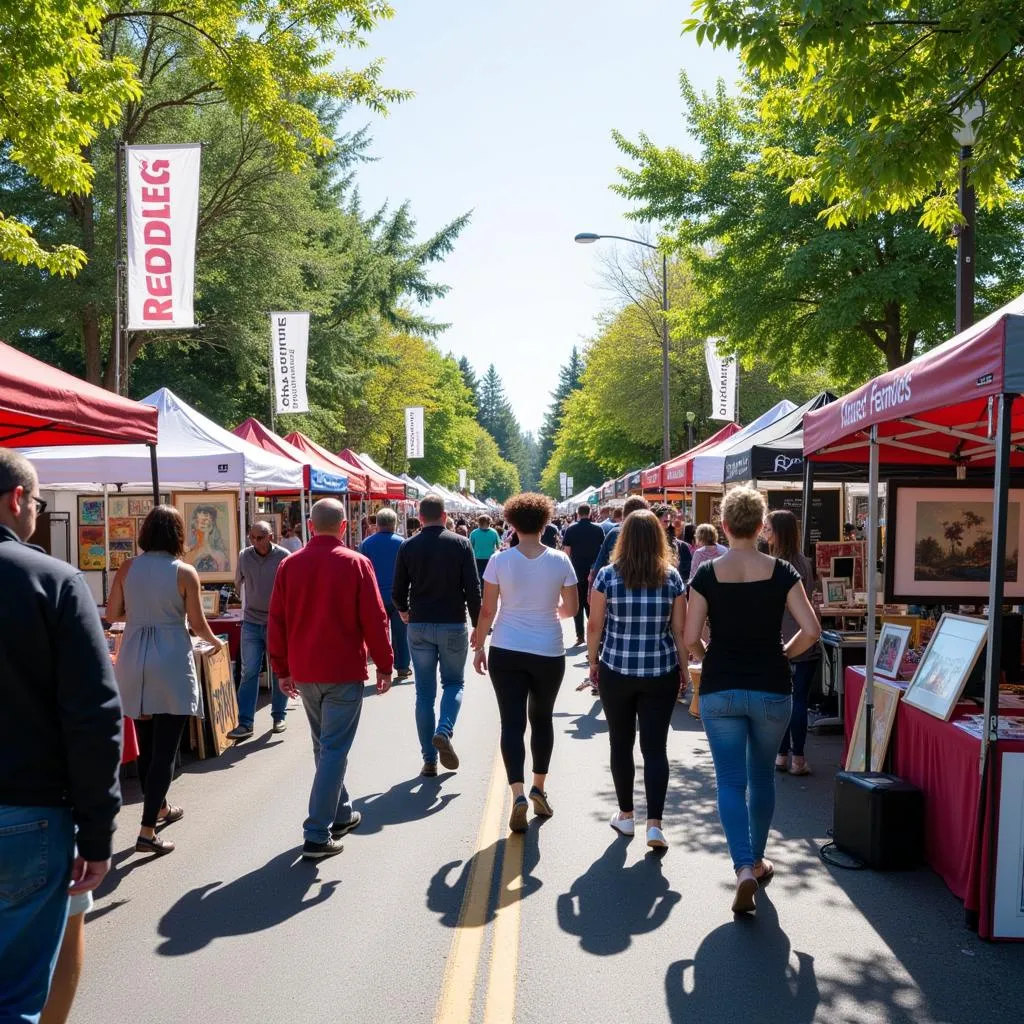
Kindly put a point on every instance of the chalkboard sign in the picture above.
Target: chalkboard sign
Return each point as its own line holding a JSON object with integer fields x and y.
{"x": 824, "y": 522}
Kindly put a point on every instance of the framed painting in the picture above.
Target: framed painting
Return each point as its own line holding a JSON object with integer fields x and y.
{"x": 827, "y": 551}
{"x": 90, "y": 510}
{"x": 943, "y": 672}
{"x": 274, "y": 518}
{"x": 939, "y": 544}
{"x": 833, "y": 591}
{"x": 210, "y": 600}
{"x": 883, "y": 718}
{"x": 122, "y": 529}
{"x": 902, "y": 619}
{"x": 118, "y": 506}
{"x": 140, "y": 505}
{"x": 92, "y": 548}
{"x": 211, "y": 533}
{"x": 889, "y": 649}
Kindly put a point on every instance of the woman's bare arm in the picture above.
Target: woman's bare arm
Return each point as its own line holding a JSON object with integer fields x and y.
{"x": 115, "y": 599}
{"x": 188, "y": 585}
{"x": 800, "y": 608}
{"x": 570, "y": 602}
{"x": 696, "y": 616}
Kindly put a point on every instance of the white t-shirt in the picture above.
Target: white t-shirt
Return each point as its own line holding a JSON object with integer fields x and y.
{"x": 528, "y": 611}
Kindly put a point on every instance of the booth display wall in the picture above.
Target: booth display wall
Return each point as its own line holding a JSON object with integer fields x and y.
{"x": 825, "y": 523}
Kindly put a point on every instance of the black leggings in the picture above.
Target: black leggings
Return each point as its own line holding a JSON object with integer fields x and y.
{"x": 651, "y": 700}
{"x": 525, "y": 684}
{"x": 159, "y": 739}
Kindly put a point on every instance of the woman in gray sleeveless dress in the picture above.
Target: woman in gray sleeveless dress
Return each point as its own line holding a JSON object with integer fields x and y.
{"x": 155, "y": 670}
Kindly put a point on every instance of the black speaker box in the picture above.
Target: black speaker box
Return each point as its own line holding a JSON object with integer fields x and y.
{"x": 879, "y": 819}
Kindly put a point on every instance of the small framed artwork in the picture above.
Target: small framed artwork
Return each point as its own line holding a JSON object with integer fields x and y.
{"x": 833, "y": 589}
{"x": 120, "y": 552}
{"x": 943, "y": 672}
{"x": 887, "y": 699}
{"x": 140, "y": 506}
{"x": 902, "y": 619}
{"x": 92, "y": 551}
{"x": 90, "y": 511}
{"x": 122, "y": 529}
{"x": 889, "y": 649}
{"x": 211, "y": 533}
{"x": 274, "y": 518}
{"x": 210, "y": 600}
{"x": 118, "y": 505}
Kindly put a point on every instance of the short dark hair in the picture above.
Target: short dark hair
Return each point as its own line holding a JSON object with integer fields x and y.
{"x": 583, "y": 511}
{"x": 431, "y": 509}
{"x": 529, "y": 512}
{"x": 634, "y": 504}
{"x": 163, "y": 529}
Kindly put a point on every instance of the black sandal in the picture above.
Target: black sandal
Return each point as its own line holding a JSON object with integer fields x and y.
{"x": 173, "y": 814}
{"x": 156, "y": 845}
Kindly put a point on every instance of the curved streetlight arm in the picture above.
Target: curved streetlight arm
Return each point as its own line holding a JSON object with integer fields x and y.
{"x": 584, "y": 238}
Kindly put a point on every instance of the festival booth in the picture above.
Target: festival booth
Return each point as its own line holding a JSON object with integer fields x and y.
{"x": 955, "y": 541}
{"x": 675, "y": 477}
{"x": 320, "y": 456}
{"x": 404, "y": 506}
{"x": 588, "y": 496}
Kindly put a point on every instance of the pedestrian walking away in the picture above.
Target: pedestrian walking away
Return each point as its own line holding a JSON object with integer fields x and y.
{"x": 782, "y": 532}
{"x": 746, "y": 685}
{"x": 582, "y": 542}
{"x": 707, "y": 547}
{"x": 635, "y": 650}
{"x": 485, "y": 540}
{"x": 382, "y": 550}
{"x": 536, "y": 588}
{"x": 60, "y": 746}
{"x": 254, "y": 577}
{"x": 632, "y": 504}
{"x": 435, "y": 584}
{"x": 325, "y": 611}
{"x": 289, "y": 540}
{"x": 156, "y": 670}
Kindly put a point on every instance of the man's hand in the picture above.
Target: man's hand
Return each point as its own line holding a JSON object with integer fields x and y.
{"x": 383, "y": 682}
{"x": 404, "y": 616}
{"x": 480, "y": 661}
{"x": 287, "y": 686}
{"x": 87, "y": 874}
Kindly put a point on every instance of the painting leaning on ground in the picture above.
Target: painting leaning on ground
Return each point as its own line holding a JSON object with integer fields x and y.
{"x": 953, "y": 541}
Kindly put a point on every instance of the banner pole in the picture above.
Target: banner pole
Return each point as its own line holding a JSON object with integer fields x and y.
{"x": 118, "y": 242}
{"x": 271, "y": 383}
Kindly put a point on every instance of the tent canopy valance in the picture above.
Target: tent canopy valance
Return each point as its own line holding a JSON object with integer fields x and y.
{"x": 328, "y": 462}
{"x": 394, "y": 481}
{"x": 708, "y": 465}
{"x": 314, "y": 477}
{"x": 43, "y": 406}
{"x": 936, "y": 410}
{"x": 677, "y": 473}
{"x": 377, "y": 486}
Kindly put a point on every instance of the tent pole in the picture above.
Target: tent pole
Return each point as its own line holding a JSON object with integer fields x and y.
{"x": 106, "y": 542}
{"x": 155, "y": 473}
{"x": 241, "y": 515}
{"x": 302, "y": 516}
{"x": 118, "y": 266}
{"x": 805, "y": 509}
{"x": 872, "y": 581}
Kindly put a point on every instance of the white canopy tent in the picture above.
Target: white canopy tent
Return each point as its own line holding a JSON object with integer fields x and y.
{"x": 709, "y": 465}
{"x": 373, "y": 464}
{"x": 571, "y": 504}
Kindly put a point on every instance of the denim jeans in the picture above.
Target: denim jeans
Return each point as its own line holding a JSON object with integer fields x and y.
{"x": 744, "y": 728}
{"x": 795, "y": 735}
{"x": 254, "y": 650}
{"x": 434, "y": 644}
{"x": 36, "y": 849}
{"x": 399, "y": 638}
{"x": 333, "y": 711}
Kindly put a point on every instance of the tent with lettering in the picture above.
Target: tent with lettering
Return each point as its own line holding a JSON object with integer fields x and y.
{"x": 708, "y": 465}
{"x": 677, "y": 473}
{"x": 314, "y": 476}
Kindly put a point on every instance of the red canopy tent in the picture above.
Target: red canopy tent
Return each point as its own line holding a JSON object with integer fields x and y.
{"x": 357, "y": 484}
{"x": 378, "y": 486}
{"x": 318, "y": 474}
{"x": 677, "y": 473}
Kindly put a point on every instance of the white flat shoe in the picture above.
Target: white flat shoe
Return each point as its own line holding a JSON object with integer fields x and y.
{"x": 624, "y": 826}
{"x": 656, "y": 839}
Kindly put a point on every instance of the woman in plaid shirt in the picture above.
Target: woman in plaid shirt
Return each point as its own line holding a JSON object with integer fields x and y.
{"x": 635, "y": 648}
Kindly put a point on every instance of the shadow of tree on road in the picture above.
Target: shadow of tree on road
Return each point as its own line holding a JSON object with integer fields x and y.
{"x": 610, "y": 903}
{"x": 412, "y": 800}
{"x": 259, "y": 900}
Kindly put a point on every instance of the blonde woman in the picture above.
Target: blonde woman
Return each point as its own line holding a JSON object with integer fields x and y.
{"x": 746, "y": 683}
{"x": 706, "y": 548}
{"x": 635, "y": 648}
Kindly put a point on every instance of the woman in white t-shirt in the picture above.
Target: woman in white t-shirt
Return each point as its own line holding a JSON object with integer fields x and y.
{"x": 537, "y": 589}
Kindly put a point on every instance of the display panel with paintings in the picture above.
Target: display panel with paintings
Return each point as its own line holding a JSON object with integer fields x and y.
{"x": 211, "y": 533}
{"x": 939, "y": 545}
{"x": 883, "y": 717}
{"x": 827, "y": 551}
{"x": 942, "y": 674}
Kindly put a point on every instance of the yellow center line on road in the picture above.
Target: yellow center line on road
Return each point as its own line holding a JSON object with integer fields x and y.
{"x": 455, "y": 1004}
{"x": 501, "y": 986}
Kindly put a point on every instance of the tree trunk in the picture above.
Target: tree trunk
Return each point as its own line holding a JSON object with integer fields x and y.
{"x": 91, "y": 345}
{"x": 894, "y": 345}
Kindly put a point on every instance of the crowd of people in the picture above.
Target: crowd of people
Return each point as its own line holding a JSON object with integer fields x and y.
{"x": 648, "y": 594}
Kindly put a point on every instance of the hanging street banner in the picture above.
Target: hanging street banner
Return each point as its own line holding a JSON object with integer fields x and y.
{"x": 163, "y": 211}
{"x": 289, "y": 346}
{"x": 414, "y": 432}
{"x": 563, "y": 480}
{"x": 462, "y": 479}
{"x": 568, "y": 486}
{"x": 472, "y": 487}
{"x": 722, "y": 374}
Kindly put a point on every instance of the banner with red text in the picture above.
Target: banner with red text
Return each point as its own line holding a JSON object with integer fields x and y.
{"x": 163, "y": 211}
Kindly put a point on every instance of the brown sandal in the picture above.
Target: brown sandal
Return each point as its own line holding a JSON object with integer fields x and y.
{"x": 171, "y": 815}
{"x": 745, "y": 901}
{"x": 767, "y": 874}
{"x": 155, "y": 845}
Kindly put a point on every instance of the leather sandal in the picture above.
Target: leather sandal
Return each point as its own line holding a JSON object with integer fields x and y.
{"x": 170, "y": 815}
{"x": 156, "y": 845}
{"x": 767, "y": 874}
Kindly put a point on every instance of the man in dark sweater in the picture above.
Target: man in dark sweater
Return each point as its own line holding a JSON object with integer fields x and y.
{"x": 582, "y": 543}
{"x": 435, "y": 583}
{"x": 60, "y": 746}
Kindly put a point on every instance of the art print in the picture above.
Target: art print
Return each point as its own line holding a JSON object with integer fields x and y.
{"x": 211, "y": 533}
{"x": 834, "y": 591}
{"x": 92, "y": 550}
{"x": 140, "y": 507}
{"x": 942, "y": 674}
{"x": 118, "y": 506}
{"x": 90, "y": 511}
{"x": 889, "y": 649}
{"x": 883, "y": 717}
{"x": 121, "y": 530}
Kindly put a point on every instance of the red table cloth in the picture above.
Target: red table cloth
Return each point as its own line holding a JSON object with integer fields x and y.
{"x": 230, "y": 625}
{"x": 130, "y": 744}
{"x": 942, "y": 761}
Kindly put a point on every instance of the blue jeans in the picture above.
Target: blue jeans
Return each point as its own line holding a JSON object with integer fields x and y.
{"x": 37, "y": 846}
{"x": 254, "y": 650}
{"x": 333, "y": 711}
{"x": 795, "y": 735}
{"x": 399, "y": 638}
{"x": 744, "y": 729}
{"x": 434, "y": 644}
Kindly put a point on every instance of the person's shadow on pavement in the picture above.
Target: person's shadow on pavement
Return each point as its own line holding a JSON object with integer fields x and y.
{"x": 407, "y": 801}
{"x": 262, "y": 899}
{"x": 611, "y": 903}
{"x": 745, "y": 965}
{"x": 587, "y": 726}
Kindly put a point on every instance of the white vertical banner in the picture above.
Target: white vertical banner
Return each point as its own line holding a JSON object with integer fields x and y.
{"x": 562, "y": 481}
{"x": 289, "y": 349}
{"x": 722, "y": 374}
{"x": 462, "y": 479}
{"x": 472, "y": 487}
{"x": 163, "y": 213}
{"x": 568, "y": 486}
{"x": 414, "y": 431}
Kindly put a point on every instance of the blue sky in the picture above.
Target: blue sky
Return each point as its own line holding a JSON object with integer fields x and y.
{"x": 512, "y": 119}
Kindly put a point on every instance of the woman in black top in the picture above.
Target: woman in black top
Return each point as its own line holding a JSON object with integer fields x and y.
{"x": 745, "y": 695}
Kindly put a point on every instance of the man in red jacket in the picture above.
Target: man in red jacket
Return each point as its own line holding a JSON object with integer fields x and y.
{"x": 325, "y": 611}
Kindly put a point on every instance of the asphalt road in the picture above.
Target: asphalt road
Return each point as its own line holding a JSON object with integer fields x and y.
{"x": 433, "y": 913}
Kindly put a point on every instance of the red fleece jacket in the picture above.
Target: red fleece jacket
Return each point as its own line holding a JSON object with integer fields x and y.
{"x": 324, "y": 612}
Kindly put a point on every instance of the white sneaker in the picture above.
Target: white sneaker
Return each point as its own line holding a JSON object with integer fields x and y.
{"x": 656, "y": 839}
{"x": 624, "y": 826}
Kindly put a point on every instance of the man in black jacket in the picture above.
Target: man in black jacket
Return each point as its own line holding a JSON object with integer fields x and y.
{"x": 60, "y": 746}
{"x": 435, "y": 582}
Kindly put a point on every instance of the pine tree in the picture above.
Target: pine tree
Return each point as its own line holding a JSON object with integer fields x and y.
{"x": 569, "y": 380}
{"x": 495, "y": 415}
{"x": 469, "y": 378}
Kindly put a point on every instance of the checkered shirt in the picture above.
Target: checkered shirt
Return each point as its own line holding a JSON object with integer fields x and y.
{"x": 638, "y": 625}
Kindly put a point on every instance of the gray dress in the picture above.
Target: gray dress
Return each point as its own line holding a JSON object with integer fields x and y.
{"x": 155, "y": 670}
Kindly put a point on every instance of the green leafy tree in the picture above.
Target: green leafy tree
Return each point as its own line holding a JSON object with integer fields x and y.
{"x": 895, "y": 76}
{"x": 771, "y": 277}
{"x": 569, "y": 377}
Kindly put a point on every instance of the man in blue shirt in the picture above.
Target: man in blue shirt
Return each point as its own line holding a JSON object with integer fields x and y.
{"x": 381, "y": 548}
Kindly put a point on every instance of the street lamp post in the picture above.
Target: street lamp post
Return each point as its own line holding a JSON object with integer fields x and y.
{"x": 966, "y": 136}
{"x": 690, "y": 418}
{"x": 588, "y": 238}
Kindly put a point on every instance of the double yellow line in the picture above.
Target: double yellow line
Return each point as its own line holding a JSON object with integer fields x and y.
{"x": 458, "y": 988}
